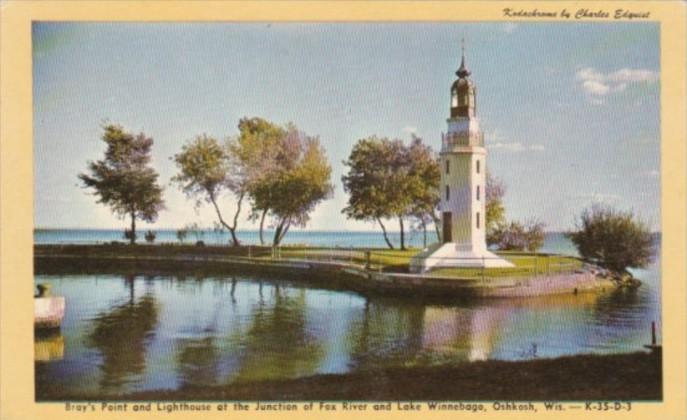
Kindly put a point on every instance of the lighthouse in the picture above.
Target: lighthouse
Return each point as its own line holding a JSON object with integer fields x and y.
{"x": 463, "y": 181}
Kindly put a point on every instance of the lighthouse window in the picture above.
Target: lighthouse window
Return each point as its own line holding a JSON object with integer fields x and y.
{"x": 477, "y": 163}
{"x": 448, "y": 193}
{"x": 478, "y": 193}
{"x": 447, "y": 167}
{"x": 454, "y": 99}
{"x": 477, "y": 220}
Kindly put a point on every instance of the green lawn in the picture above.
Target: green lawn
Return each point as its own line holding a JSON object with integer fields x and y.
{"x": 380, "y": 259}
{"x": 525, "y": 265}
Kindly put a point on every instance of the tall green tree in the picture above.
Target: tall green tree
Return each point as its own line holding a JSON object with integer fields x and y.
{"x": 286, "y": 173}
{"x": 614, "y": 239}
{"x": 206, "y": 171}
{"x": 297, "y": 185}
{"x": 423, "y": 186}
{"x": 124, "y": 179}
{"x": 376, "y": 182}
{"x": 259, "y": 150}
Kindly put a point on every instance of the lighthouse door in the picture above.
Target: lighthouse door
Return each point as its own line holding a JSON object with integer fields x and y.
{"x": 446, "y": 234}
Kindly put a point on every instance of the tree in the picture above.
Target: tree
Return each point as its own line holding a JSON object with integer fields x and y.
{"x": 123, "y": 180}
{"x": 206, "y": 170}
{"x": 375, "y": 181}
{"x": 286, "y": 173}
{"x": 516, "y": 236}
{"x": 296, "y": 191}
{"x": 423, "y": 186}
{"x": 613, "y": 239}
{"x": 494, "y": 191}
{"x": 260, "y": 150}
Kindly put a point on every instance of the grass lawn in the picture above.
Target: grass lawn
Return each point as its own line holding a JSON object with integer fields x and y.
{"x": 394, "y": 260}
{"x": 525, "y": 265}
{"x": 380, "y": 259}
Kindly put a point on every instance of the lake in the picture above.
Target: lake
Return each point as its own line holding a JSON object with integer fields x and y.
{"x": 125, "y": 334}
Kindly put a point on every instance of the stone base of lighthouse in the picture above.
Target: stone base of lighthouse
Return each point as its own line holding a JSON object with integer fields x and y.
{"x": 454, "y": 255}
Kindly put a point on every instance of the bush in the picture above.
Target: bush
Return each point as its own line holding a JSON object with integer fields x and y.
{"x": 181, "y": 234}
{"x": 517, "y": 236}
{"x": 130, "y": 235}
{"x": 150, "y": 236}
{"x": 613, "y": 239}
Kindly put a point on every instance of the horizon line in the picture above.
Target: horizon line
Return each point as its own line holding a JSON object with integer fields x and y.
{"x": 429, "y": 231}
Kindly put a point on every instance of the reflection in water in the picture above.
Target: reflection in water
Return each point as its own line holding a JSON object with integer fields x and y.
{"x": 198, "y": 361}
{"x": 386, "y": 331}
{"x": 277, "y": 342}
{"x": 172, "y": 332}
{"x": 611, "y": 307}
{"x": 48, "y": 345}
{"x": 121, "y": 335}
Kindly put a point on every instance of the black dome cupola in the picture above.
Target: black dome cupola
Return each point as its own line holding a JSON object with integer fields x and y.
{"x": 463, "y": 102}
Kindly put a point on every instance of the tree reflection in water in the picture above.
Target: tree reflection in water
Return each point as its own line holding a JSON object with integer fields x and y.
{"x": 388, "y": 331}
{"x": 122, "y": 335}
{"x": 277, "y": 342}
{"x": 198, "y": 361}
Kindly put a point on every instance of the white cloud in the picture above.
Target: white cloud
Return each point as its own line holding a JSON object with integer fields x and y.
{"x": 509, "y": 27}
{"x": 494, "y": 135}
{"x": 597, "y": 84}
{"x": 510, "y": 147}
{"x": 654, "y": 173}
{"x": 599, "y": 198}
{"x": 515, "y": 147}
{"x": 595, "y": 88}
{"x": 409, "y": 129}
{"x": 633, "y": 75}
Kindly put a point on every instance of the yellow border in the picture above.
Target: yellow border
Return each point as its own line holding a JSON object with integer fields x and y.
{"x": 16, "y": 183}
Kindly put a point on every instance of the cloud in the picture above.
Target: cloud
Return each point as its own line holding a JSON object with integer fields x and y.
{"x": 597, "y": 84}
{"x": 509, "y": 27}
{"x": 495, "y": 135}
{"x": 515, "y": 147}
{"x": 654, "y": 173}
{"x": 595, "y": 88}
{"x": 409, "y": 129}
{"x": 598, "y": 198}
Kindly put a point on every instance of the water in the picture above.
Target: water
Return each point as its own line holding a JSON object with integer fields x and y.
{"x": 124, "y": 334}
{"x": 294, "y": 237}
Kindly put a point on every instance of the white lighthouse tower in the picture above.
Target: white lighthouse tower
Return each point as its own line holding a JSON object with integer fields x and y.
{"x": 463, "y": 179}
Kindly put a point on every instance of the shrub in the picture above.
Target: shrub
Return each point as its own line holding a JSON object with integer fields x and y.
{"x": 516, "y": 236}
{"x": 150, "y": 236}
{"x": 181, "y": 234}
{"x": 613, "y": 239}
{"x": 130, "y": 235}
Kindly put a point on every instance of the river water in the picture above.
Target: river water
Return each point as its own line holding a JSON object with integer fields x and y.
{"x": 124, "y": 334}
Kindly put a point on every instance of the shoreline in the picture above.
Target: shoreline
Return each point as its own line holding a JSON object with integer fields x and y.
{"x": 630, "y": 376}
{"x": 342, "y": 271}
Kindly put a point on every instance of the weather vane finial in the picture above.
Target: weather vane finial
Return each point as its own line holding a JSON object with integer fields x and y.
{"x": 463, "y": 70}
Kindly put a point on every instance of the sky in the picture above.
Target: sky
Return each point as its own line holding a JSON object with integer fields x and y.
{"x": 570, "y": 112}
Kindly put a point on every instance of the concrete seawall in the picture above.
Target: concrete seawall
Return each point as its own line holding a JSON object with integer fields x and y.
{"x": 341, "y": 275}
{"x": 542, "y": 285}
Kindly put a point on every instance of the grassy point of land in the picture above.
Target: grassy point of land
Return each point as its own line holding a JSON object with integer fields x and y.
{"x": 375, "y": 259}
